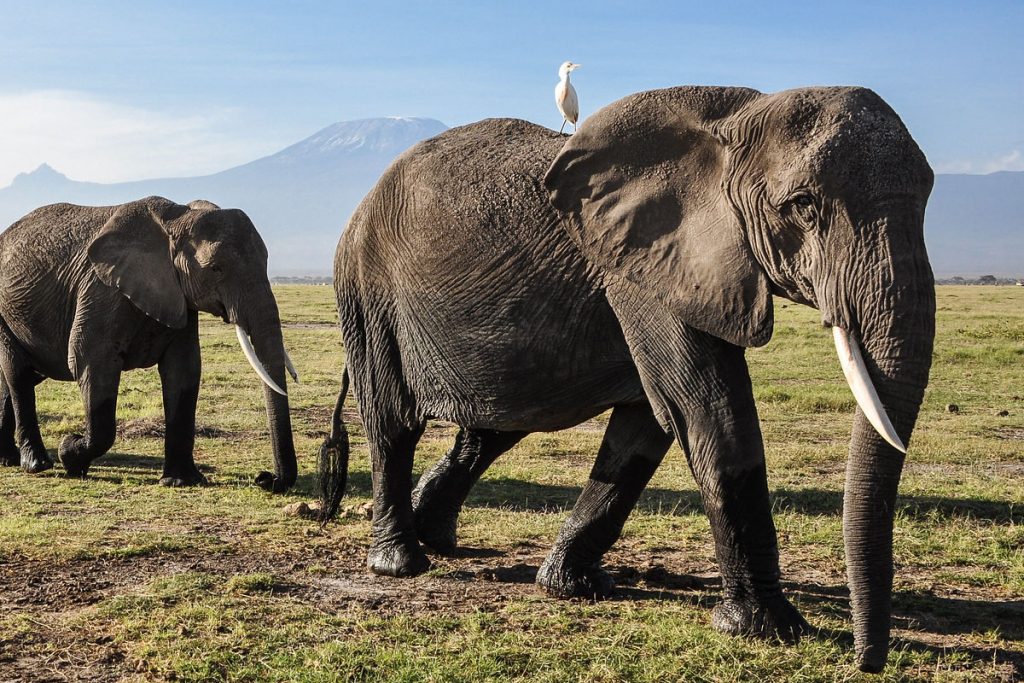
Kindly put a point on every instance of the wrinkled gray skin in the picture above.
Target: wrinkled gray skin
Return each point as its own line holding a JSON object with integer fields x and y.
{"x": 500, "y": 280}
{"x": 88, "y": 292}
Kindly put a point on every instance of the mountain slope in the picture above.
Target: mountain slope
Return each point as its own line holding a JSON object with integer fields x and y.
{"x": 975, "y": 224}
{"x": 299, "y": 198}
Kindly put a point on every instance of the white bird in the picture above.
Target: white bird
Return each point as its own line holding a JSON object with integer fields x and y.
{"x": 565, "y": 96}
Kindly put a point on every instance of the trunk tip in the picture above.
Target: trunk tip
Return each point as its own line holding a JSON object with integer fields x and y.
{"x": 871, "y": 660}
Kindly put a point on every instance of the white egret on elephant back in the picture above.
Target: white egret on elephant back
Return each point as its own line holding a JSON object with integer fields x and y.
{"x": 565, "y": 96}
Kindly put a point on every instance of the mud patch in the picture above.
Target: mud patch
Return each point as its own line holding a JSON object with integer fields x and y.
{"x": 1010, "y": 433}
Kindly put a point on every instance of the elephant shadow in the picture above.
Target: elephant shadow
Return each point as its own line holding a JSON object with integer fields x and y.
{"x": 821, "y": 502}
{"x": 109, "y": 465}
{"x": 531, "y": 496}
{"x": 923, "y": 611}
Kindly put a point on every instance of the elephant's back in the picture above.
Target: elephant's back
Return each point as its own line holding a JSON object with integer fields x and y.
{"x": 488, "y": 298}
{"x": 42, "y": 263}
{"x": 49, "y": 236}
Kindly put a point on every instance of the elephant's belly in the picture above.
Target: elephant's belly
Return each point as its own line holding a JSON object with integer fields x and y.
{"x": 535, "y": 373}
{"x": 146, "y": 347}
{"x": 550, "y": 408}
{"x": 44, "y": 345}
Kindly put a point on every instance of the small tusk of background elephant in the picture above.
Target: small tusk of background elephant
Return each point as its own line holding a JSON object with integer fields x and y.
{"x": 626, "y": 268}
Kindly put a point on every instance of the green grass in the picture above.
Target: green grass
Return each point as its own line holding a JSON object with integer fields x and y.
{"x": 115, "y": 577}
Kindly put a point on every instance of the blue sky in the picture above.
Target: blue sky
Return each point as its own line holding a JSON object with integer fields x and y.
{"x": 110, "y": 91}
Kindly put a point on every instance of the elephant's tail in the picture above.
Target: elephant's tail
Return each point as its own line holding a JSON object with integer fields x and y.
{"x": 333, "y": 468}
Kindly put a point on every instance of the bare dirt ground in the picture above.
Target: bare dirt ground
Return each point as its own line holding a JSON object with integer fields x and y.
{"x": 478, "y": 579}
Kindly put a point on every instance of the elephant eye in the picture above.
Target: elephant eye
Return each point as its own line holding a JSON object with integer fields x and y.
{"x": 215, "y": 268}
{"x": 805, "y": 208}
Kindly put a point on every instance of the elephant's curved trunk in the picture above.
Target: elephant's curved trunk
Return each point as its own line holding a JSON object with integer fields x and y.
{"x": 897, "y": 346}
{"x": 261, "y": 321}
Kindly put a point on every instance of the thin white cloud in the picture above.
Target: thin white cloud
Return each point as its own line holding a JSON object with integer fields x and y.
{"x": 90, "y": 139}
{"x": 1011, "y": 161}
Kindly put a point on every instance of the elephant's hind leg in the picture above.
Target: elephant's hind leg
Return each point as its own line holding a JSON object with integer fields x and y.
{"x": 442, "y": 490}
{"x": 395, "y": 551}
{"x": 99, "y": 394}
{"x": 9, "y": 455}
{"x": 633, "y": 447}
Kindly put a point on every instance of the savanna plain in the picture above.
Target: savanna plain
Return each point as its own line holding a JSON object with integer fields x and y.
{"x": 114, "y": 577}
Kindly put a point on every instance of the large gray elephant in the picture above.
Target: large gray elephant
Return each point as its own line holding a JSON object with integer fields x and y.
{"x": 509, "y": 281}
{"x": 88, "y": 292}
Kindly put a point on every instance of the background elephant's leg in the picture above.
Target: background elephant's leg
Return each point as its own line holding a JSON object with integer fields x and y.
{"x": 9, "y": 454}
{"x": 634, "y": 445}
{"x": 98, "y": 386}
{"x": 442, "y": 489}
{"x": 394, "y": 550}
{"x": 725, "y": 450}
{"x": 180, "y": 369}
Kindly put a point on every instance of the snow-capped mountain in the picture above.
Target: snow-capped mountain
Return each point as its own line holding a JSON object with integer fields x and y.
{"x": 370, "y": 136}
{"x": 299, "y": 198}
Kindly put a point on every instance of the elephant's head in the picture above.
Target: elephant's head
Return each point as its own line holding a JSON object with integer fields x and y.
{"x": 168, "y": 259}
{"x": 714, "y": 199}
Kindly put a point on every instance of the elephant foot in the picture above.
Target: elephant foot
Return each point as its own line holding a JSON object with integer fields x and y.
{"x": 271, "y": 483}
{"x": 183, "y": 477}
{"x": 774, "y": 619}
{"x": 436, "y": 529}
{"x": 34, "y": 462}
{"x": 9, "y": 456}
{"x": 563, "y": 580}
{"x": 397, "y": 559}
{"x": 70, "y": 453}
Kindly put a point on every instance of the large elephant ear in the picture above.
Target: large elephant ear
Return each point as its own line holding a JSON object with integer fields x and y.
{"x": 641, "y": 187}
{"x": 132, "y": 253}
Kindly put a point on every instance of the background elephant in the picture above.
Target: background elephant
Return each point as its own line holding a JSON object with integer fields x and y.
{"x": 88, "y": 292}
{"x": 462, "y": 298}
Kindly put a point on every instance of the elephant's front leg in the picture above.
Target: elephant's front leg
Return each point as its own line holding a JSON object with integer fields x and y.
{"x": 180, "y": 370}
{"x": 395, "y": 550}
{"x": 634, "y": 445}
{"x": 725, "y": 450}
{"x": 98, "y": 384}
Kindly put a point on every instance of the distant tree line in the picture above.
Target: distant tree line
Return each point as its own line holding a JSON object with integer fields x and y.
{"x": 303, "y": 280}
{"x": 983, "y": 280}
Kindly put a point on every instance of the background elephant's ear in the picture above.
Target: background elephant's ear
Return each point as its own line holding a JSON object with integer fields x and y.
{"x": 641, "y": 190}
{"x": 133, "y": 253}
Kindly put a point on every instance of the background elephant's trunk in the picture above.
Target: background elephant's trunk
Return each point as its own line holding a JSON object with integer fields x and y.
{"x": 896, "y": 332}
{"x": 259, "y": 318}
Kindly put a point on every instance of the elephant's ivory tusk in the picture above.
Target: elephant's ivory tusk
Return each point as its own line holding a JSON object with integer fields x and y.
{"x": 862, "y": 387}
{"x": 291, "y": 366}
{"x": 250, "y": 355}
